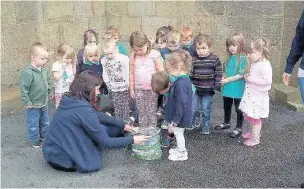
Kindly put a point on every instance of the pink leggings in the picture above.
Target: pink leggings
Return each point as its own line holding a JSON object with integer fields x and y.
{"x": 253, "y": 121}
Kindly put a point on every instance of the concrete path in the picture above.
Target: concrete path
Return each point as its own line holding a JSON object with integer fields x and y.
{"x": 214, "y": 161}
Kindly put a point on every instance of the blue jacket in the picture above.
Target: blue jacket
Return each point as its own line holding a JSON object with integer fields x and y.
{"x": 76, "y": 136}
{"x": 297, "y": 47}
{"x": 179, "y": 105}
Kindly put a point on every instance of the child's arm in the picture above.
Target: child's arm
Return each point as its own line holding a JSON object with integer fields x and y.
{"x": 126, "y": 70}
{"x": 58, "y": 71}
{"x": 240, "y": 74}
{"x": 26, "y": 79}
{"x": 159, "y": 63}
{"x": 131, "y": 74}
{"x": 218, "y": 75}
{"x": 50, "y": 90}
{"x": 265, "y": 76}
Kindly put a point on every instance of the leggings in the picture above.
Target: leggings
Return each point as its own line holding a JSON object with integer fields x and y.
{"x": 228, "y": 102}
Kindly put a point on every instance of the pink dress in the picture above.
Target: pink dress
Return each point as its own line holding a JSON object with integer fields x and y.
{"x": 255, "y": 101}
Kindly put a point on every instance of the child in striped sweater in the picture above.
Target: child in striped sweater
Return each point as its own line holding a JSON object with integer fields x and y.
{"x": 206, "y": 75}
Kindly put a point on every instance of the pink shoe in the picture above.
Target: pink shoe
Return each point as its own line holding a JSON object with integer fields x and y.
{"x": 251, "y": 142}
{"x": 247, "y": 135}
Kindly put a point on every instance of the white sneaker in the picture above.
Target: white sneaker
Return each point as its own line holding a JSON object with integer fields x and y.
{"x": 178, "y": 156}
{"x": 174, "y": 151}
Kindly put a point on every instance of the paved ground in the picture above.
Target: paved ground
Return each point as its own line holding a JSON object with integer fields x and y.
{"x": 214, "y": 161}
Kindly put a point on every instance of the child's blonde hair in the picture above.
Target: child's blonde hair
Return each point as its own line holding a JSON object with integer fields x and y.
{"x": 112, "y": 31}
{"x": 139, "y": 39}
{"x": 35, "y": 46}
{"x": 65, "y": 50}
{"x": 160, "y": 81}
{"x": 91, "y": 49}
{"x": 260, "y": 44}
{"x": 173, "y": 36}
{"x": 179, "y": 61}
{"x": 238, "y": 40}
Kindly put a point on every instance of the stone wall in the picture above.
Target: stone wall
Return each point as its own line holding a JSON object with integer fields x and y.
{"x": 24, "y": 22}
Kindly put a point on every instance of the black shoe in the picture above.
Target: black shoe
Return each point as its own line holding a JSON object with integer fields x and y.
{"x": 236, "y": 133}
{"x": 222, "y": 126}
{"x": 302, "y": 185}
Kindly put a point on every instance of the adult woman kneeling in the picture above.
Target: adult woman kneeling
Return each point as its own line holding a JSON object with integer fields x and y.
{"x": 78, "y": 132}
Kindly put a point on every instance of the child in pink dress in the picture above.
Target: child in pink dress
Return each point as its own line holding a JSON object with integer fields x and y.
{"x": 255, "y": 101}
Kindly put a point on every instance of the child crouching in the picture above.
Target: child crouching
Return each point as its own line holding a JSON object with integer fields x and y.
{"x": 178, "y": 109}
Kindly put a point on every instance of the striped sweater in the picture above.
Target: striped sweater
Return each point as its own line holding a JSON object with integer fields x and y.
{"x": 206, "y": 74}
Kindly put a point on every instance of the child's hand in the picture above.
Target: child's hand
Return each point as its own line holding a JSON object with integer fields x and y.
{"x": 246, "y": 77}
{"x": 52, "y": 97}
{"x": 29, "y": 107}
{"x": 225, "y": 81}
{"x": 170, "y": 128}
{"x": 132, "y": 94}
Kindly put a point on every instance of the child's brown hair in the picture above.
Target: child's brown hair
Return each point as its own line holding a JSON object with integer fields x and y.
{"x": 88, "y": 35}
{"x": 164, "y": 30}
{"x": 202, "y": 38}
{"x": 65, "y": 50}
{"x": 139, "y": 39}
{"x": 186, "y": 31}
{"x": 112, "y": 31}
{"x": 238, "y": 40}
{"x": 34, "y": 47}
{"x": 160, "y": 81}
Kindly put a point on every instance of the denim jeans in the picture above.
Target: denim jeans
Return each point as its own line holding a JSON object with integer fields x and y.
{"x": 37, "y": 121}
{"x": 301, "y": 85}
{"x": 202, "y": 105}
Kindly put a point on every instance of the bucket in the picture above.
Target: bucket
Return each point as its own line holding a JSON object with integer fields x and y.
{"x": 151, "y": 149}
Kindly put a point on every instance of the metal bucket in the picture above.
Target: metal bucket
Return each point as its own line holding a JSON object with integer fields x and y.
{"x": 151, "y": 149}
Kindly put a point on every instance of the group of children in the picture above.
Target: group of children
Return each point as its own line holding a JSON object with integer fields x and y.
{"x": 175, "y": 76}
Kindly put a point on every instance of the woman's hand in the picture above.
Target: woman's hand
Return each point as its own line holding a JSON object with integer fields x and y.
{"x": 286, "y": 78}
{"x": 140, "y": 139}
{"x": 130, "y": 128}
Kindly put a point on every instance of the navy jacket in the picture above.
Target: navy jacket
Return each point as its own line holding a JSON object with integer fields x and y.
{"x": 179, "y": 105}
{"x": 77, "y": 135}
{"x": 297, "y": 47}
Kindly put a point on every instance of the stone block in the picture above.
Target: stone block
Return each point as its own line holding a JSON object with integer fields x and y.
{"x": 151, "y": 24}
{"x": 186, "y": 8}
{"x": 99, "y": 25}
{"x": 255, "y": 8}
{"x": 219, "y": 26}
{"x": 73, "y": 32}
{"x": 99, "y": 8}
{"x": 83, "y": 8}
{"x": 295, "y": 106}
{"x": 29, "y": 11}
{"x": 289, "y": 31}
{"x": 202, "y": 24}
{"x": 245, "y": 25}
{"x": 8, "y": 12}
{"x": 210, "y": 8}
{"x": 166, "y": 8}
{"x": 141, "y": 8}
{"x": 219, "y": 48}
{"x": 285, "y": 93}
{"x": 49, "y": 34}
{"x": 58, "y": 9}
{"x": 293, "y": 9}
{"x": 275, "y": 59}
{"x": 272, "y": 29}
{"x": 125, "y": 25}
{"x": 116, "y": 8}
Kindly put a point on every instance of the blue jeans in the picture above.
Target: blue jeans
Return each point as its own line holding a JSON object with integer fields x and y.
{"x": 37, "y": 121}
{"x": 301, "y": 85}
{"x": 202, "y": 105}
